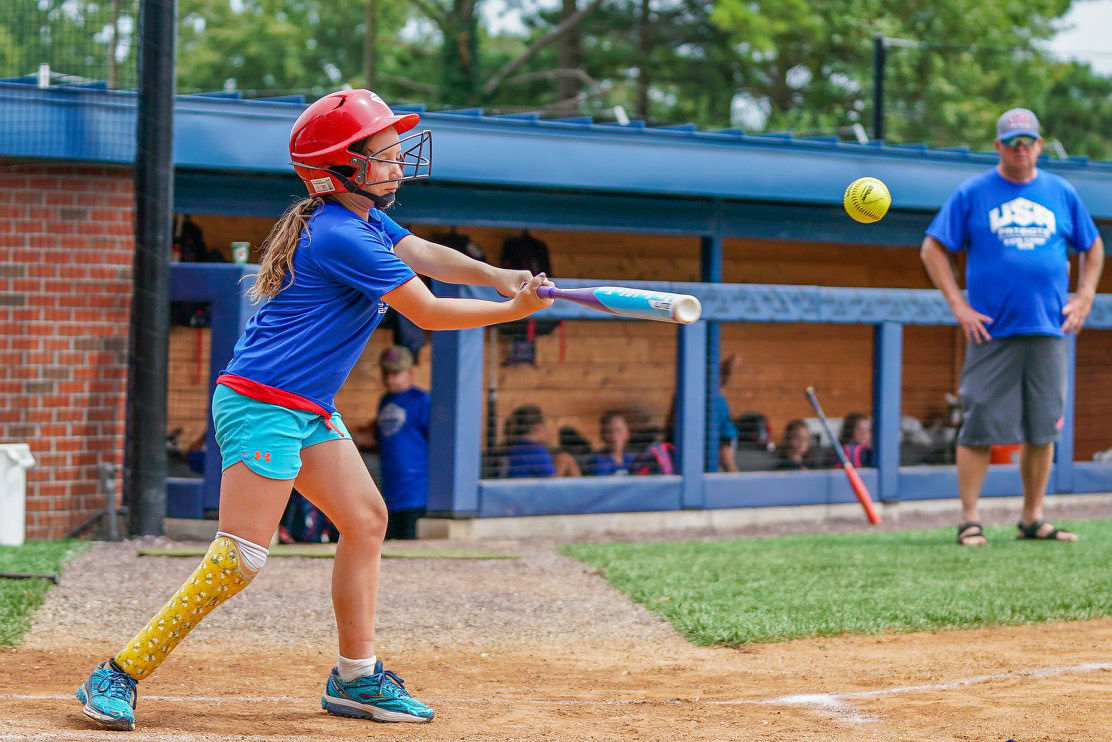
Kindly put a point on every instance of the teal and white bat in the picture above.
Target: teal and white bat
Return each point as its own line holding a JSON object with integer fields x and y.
{"x": 661, "y": 306}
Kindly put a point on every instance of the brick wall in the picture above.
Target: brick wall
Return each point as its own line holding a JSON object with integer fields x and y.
{"x": 66, "y": 249}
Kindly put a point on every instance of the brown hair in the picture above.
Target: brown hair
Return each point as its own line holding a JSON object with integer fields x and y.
{"x": 278, "y": 249}
{"x": 789, "y": 431}
{"x": 521, "y": 422}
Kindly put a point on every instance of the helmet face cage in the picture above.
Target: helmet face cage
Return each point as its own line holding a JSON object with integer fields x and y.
{"x": 415, "y": 160}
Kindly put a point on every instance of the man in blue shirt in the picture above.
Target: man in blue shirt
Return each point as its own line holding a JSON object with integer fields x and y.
{"x": 402, "y": 429}
{"x": 1015, "y": 223}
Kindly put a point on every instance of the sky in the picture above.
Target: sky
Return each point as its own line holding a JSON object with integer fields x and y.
{"x": 1090, "y": 38}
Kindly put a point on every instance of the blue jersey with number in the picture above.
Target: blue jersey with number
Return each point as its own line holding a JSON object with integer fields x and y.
{"x": 402, "y": 429}
{"x": 307, "y": 338}
{"x": 1016, "y": 237}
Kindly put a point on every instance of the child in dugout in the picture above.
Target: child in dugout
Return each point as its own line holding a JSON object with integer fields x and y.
{"x": 402, "y": 432}
{"x": 331, "y": 266}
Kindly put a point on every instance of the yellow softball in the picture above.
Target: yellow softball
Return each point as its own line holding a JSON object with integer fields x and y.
{"x": 867, "y": 200}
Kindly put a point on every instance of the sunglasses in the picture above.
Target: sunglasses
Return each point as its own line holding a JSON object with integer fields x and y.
{"x": 1015, "y": 142}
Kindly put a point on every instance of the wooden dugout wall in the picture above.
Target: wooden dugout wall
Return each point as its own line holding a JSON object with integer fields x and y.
{"x": 588, "y": 367}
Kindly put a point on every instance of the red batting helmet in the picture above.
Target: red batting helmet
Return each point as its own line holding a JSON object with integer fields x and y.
{"x": 322, "y": 137}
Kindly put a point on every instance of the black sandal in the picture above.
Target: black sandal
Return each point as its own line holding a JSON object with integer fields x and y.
{"x": 1032, "y": 532}
{"x": 968, "y": 530}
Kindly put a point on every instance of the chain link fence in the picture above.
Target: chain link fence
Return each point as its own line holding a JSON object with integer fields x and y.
{"x": 92, "y": 43}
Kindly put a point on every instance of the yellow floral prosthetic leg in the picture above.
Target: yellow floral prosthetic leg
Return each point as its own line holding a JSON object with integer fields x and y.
{"x": 221, "y": 575}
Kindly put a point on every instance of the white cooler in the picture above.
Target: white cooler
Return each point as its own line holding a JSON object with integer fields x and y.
{"x": 15, "y": 460}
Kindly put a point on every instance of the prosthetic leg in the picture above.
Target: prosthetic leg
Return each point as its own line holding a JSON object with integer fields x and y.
{"x": 230, "y": 564}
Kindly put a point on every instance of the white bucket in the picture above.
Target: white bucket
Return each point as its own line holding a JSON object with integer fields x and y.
{"x": 15, "y": 460}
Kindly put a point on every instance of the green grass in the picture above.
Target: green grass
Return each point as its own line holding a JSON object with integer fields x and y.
{"x": 734, "y": 592}
{"x": 20, "y": 598}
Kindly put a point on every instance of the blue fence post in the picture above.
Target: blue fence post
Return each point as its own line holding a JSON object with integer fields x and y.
{"x": 454, "y": 417}
{"x": 887, "y": 362}
{"x": 1063, "y": 452}
{"x": 710, "y": 271}
{"x": 230, "y": 311}
{"x": 691, "y": 410}
{"x": 224, "y": 287}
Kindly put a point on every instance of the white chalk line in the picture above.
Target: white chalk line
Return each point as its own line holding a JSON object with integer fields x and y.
{"x": 834, "y": 704}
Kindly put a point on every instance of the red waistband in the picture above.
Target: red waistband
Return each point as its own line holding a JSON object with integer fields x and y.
{"x": 268, "y": 394}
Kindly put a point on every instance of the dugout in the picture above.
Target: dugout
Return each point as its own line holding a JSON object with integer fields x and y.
{"x": 612, "y": 203}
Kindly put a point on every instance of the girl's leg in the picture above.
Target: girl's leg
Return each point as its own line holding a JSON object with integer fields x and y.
{"x": 334, "y": 478}
{"x": 250, "y": 506}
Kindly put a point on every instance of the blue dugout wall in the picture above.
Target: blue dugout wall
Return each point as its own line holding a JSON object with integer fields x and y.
{"x": 457, "y": 491}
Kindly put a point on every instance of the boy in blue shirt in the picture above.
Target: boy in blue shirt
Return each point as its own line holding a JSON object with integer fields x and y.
{"x": 402, "y": 431}
{"x": 1015, "y": 223}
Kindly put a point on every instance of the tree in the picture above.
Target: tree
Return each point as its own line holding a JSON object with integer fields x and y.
{"x": 271, "y": 47}
{"x": 73, "y": 39}
{"x": 810, "y": 63}
{"x": 1077, "y": 108}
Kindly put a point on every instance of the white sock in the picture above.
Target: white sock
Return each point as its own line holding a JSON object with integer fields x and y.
{"x": 253, "y": 555}
{"x": 353, "y": 669}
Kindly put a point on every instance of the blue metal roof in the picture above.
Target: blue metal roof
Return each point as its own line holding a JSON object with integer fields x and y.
{"x": 522, "y": 150}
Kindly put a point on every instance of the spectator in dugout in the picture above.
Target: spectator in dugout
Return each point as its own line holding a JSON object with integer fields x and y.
{"x": 526, "y": 453}
{"x": 856, "y": 439}
{"x": 795, "y": 446}
{"x": 402, "y": 431}
{"x": 614, "y": 456}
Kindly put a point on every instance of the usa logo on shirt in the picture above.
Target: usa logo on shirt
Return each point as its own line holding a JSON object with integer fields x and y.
{"x": 391, "y": 419}
{"x": 1023, "y": 224}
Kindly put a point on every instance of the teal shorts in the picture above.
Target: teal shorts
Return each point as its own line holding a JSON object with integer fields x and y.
{"x": 265, "y": 437}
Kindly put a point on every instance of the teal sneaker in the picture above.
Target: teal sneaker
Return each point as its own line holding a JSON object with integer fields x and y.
{"x": 381, "y": 697}
{"x": 109, "y": 696}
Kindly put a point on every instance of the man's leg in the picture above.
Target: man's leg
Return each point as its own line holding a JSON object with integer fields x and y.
{"x": 1034, "y": 467}
{"x": 991, "y": 399}
{"x": 1044, "y": 401}
{"x": 972, "y": 467}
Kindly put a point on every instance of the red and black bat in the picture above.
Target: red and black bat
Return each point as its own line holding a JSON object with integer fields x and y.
{"x": 855, "y": 482}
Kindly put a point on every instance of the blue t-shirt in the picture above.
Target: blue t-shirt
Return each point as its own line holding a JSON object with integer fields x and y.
{"x": 402, "y": 428}
{"x": 1016, "y": 236}
{"x": 307, "y": 338}
{"x": 603, "y": 464}
{"x": 727, "y": 431}
{"x": 529, "y": 459}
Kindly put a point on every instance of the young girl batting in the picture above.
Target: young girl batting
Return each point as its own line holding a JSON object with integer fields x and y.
{"x": 330, "y": 267}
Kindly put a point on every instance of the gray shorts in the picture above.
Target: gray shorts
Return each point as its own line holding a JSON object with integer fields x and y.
{"x": 1013, "y": 390}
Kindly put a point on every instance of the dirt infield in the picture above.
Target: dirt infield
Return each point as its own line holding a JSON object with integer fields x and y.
{"x": 540, "y": 649}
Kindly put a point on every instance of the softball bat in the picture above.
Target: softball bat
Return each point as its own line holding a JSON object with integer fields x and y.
{"x": 855, "y": 482}
{"x": 682, "y": 309}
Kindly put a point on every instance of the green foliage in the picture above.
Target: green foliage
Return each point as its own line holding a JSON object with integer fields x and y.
{"x": 20, "y": 598}
{"x": 735, "y": 592}
{"x": 273, "y": 47}
{"x": 73, "y": 38}
{"x": 765, "y": 65}
{"x": 1077, "y": 109}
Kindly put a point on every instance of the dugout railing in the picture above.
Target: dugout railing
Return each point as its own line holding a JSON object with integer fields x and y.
{"x": 456, "y": 489}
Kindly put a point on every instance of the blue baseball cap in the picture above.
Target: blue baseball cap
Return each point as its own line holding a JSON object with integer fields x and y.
{"x": 1017, "y": 122}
